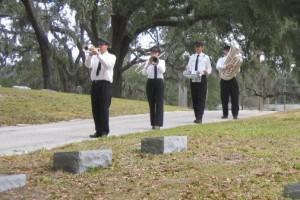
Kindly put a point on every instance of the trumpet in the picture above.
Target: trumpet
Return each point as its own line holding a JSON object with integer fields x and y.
{"x": 88, "y": 49}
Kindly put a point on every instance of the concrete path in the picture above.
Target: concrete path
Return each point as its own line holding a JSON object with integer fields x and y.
{"x": 27, "y": 138}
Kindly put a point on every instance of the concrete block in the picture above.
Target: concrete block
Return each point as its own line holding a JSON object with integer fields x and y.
{"x": 164, "y": 145}
{"x": 79, "y": 162}
{"x": 292, "y": 191}
{"x": 8, "y": 182}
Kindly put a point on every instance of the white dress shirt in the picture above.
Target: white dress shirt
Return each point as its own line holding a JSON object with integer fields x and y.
{"x": 221, "y": 63}
{"x": 148, "y": 69}
{"x": 107, "y": 60}
{"x": 203, "y": 64}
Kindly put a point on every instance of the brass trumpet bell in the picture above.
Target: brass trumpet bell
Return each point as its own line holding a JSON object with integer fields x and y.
{"x": 88, "y": 49}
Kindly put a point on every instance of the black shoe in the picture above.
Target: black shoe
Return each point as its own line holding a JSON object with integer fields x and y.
{"x": 235, "y": 117}
{"x": 198, "y": 121}
{"x": 96, "y": 135}
{"x": 99, "y": 134}
{"x": 224, "y": 117}
{"x": 155, "y": 127}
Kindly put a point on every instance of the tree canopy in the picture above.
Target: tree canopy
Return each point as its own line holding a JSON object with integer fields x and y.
{"x": 45, "y": 36}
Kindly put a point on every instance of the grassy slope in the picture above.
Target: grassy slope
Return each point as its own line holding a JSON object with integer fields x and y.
{"x": 38, "y": 106}
{"x": 243, "y": 159}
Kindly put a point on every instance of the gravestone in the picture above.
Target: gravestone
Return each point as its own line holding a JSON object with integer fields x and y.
{"x": 79, "y": 89}
{"x": 8, "y": 182}
{"x": 79, "y": 162}
{"x": 164, "y": 145}
{"x": 292, "y": 191}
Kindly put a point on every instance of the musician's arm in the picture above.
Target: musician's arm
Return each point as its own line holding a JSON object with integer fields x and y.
{"x": 161, "y": 67}
{"x": 208, "y": 66}
{"x": 107, "y": 60}
{"x": 220, "y": 64}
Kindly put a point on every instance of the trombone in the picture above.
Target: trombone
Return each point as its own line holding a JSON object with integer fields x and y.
{"x": 139, "y": 69}
{"x": 153, "y": 60}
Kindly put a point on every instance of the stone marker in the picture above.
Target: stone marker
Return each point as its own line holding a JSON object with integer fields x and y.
{"x": 78, "y": 162}
{"x": 292, "y": 191}
{"x": 8, "y": 182}
{"x": 164, "y": 145}
{"x": 79, "y": 90}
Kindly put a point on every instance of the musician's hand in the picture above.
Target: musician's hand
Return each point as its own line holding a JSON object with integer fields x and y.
{"x": 205, "y": 72}
{"x": 94, "y": 51}
{"x": 187, "y": 68}
{"x": 229, "y": 65}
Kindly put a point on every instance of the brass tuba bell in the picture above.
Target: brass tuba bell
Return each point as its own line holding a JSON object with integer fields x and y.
{"x": 236, "y": 60}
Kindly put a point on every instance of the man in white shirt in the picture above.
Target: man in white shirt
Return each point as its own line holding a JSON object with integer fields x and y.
{"x": 199, "y": 62}
{"x": 101, "y": 63}
{"x": 154, "y": 70}
{"x": 229, "y": 88}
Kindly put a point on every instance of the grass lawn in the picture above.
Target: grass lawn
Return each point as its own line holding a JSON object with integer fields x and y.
{"x": 39, "y": 106}
{"x": 242, "y": 159}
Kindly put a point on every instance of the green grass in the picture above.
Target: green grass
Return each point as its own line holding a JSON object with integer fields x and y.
{"x": 39, "y": 106}
{"x": 242, "y": 159}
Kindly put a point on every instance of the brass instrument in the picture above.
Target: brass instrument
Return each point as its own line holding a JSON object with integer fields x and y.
{"x": 236, "y": 60}
{"x": 153, "y": 60}
{"x": 88, "y": 49}
{"x": 139, "y": 69}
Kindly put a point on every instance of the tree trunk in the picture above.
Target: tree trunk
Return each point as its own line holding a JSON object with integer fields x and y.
{"x": 260, "y": 103}
{"x": 62, "y": 76}
{"x": 43, "y": 43}
{"x": 182, "y": 96}
{"x": 120, "y": 44}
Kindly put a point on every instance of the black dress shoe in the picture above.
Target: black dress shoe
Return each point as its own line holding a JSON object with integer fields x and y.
{"x": 96, "y": 135}
{"x": 235, "y": 117}
{"x": 224, "y": 117}
{"x": 198, "y": 121}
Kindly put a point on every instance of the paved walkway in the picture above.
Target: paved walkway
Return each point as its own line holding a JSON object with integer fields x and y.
{"x": 27, "y": 138}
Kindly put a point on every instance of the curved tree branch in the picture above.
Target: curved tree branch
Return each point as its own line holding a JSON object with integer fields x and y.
{"x": 276, "y": 94}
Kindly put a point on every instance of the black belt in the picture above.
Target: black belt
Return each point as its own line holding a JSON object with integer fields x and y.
{"x": 155, "y": 78}
{"x": 100, "y": 81}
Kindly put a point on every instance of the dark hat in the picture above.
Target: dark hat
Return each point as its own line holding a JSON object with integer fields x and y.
{"x": 156, "y": 49}
{"x": 101, "y": 41}
{"x": 198, "y": 43}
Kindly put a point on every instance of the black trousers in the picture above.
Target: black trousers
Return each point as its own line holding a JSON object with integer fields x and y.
{"x": 230, "y": 88}
{"x": 155, "y": 93}
{"x": 199, "y": 93}
{"x": 101, "y": 95}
